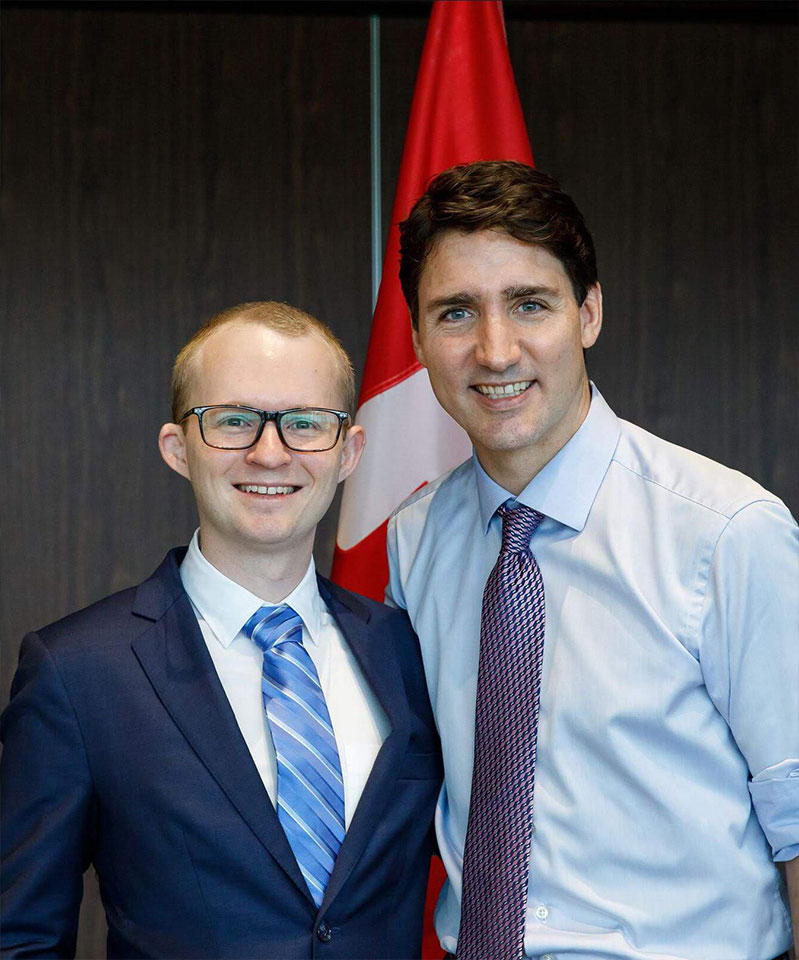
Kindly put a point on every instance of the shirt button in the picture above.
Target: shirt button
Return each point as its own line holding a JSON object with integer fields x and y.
{"x": 324, "y": 933}
{"x": 541, "y": 912}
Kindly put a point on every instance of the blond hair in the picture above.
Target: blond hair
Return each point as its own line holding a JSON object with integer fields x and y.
{"x": 281, "y": 317}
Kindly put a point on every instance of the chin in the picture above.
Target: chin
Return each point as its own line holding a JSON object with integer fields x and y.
{"x": 260, "y": 536}
{"x": 517, "y": 438}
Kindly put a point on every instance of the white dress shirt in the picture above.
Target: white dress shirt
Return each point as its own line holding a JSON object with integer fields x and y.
{"x": 667, "y": 773}
{"x": 223, "y": 607}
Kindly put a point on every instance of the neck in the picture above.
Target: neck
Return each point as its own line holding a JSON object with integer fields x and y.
{"x": 269, "y": 575}
{"x": 513, "y": 473}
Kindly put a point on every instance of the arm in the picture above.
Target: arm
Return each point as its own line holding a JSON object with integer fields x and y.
{"x": 750, "y": 661}
{"x": 394, "y": 594}
{"x": 48, "y": 811}
{"x": 792, "y": 876}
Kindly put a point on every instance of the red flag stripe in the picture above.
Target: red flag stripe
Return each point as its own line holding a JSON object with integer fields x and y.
{"x": 364, "y": 567}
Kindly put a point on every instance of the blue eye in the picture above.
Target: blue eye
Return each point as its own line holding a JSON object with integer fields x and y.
{"x": 530, "y": 306}
{"x": 309, "y": 421}
{"x": 231, "y": 420}
{"x": 455, "y": 314}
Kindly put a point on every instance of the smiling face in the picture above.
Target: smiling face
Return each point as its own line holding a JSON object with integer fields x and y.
{"x": 264, "y": 501}
{"x": 502, "y": 338}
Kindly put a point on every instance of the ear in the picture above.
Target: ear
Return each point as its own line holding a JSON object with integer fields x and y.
{"x": 172, "y": 444}
{"x": 354, "y": 443}
{"x": 591, "y": 316}
{"x": 417, "y": 345}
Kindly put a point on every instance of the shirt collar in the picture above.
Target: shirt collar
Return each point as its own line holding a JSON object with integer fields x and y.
{"x": 566, "y": 487}
{"x": 226, "y": 606}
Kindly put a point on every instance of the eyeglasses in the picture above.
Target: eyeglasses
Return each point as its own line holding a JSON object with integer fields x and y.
{"x": 234, "y": 427}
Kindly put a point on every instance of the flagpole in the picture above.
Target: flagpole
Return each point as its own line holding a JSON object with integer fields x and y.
{"x": 377, "y": 224}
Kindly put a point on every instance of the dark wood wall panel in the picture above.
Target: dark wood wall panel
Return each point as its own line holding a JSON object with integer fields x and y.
{"x": 401, "y": 43}
{"x": 157, "y": 167}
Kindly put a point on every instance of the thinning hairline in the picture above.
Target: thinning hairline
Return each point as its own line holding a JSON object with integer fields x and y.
{"x": 191, "y": 360}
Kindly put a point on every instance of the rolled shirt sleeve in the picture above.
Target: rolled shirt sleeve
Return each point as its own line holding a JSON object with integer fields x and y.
{"x": 749, "y": 652}
{"x": 775, "y": 797}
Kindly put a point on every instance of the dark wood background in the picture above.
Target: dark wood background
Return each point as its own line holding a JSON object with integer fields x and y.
{"x": 160, "y": 163}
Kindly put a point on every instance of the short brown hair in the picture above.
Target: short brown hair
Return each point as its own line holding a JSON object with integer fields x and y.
{"x": 285, "y": 319}
{"x": 497, "y": 195}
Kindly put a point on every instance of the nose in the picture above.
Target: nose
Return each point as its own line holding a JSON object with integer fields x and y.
{"x": 269, "y": 451}
{"x": 497, "y": 346}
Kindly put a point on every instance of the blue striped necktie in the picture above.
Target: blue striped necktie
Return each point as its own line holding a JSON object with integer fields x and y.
{"x": 496, "y": 856}
{"x": 310, "y": 789}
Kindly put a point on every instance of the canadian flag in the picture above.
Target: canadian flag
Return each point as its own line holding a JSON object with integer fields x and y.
{"x": 465, "y": 107}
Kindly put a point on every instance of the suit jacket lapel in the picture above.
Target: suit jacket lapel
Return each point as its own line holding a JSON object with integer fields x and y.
{"x": 382, "y": 672}
{"x": 175, "y": 658}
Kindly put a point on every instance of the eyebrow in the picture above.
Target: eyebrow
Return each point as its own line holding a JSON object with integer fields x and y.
{"x": 461, "y": 299}
{"x": 513, "y": 293}
{"x": 465, "y": 299}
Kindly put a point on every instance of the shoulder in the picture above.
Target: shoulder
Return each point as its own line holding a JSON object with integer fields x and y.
{"x": 80, "y": 653}
{"x": 115, "y": 620}
{"x": 87, "y": 633}
{"x": 431, "y": 531}
{"x": 441, "y": 500}
{"x": 697, "y": 482}
{"x": 376, "y": 615}
{"x": 95, "y": 617}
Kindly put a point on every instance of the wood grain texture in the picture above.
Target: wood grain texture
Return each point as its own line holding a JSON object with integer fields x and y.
{"x": 157, "y": 168}
{"x": 401, "y": 42}
{"x": 160, "y": 165}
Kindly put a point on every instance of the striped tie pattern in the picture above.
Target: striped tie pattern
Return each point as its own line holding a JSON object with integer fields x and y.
{"x": 496, "y": 858}
{"x": 310, "y": 789}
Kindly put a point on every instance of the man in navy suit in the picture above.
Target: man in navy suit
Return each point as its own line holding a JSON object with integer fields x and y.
{"x": 229, "y": 810}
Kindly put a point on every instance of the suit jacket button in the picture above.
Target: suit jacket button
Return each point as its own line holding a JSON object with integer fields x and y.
{"x": 324, "y": 933}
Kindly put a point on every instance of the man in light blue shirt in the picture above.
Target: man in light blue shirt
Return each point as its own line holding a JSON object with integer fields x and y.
{"x": 667, "y": 770}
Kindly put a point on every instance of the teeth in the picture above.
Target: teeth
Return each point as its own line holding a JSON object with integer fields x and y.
{"x": 258, "y": 488}
{"x": 503, "y": 390}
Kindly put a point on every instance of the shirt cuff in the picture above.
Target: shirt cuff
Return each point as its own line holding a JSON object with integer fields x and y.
{"x": 775, "y": 797}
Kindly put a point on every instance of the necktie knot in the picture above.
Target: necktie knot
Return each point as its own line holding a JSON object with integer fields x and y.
{"x": 269, "y": 626}
{"x": 518, "y": 526}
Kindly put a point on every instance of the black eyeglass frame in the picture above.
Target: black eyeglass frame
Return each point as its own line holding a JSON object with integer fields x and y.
{"x": 267, "y": 416}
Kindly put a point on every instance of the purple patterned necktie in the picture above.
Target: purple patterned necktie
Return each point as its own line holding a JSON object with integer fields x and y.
{"x": 496, "y": 858}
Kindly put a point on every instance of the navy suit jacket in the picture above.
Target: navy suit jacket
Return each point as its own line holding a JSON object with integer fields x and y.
{"x": 121, "y": 750}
